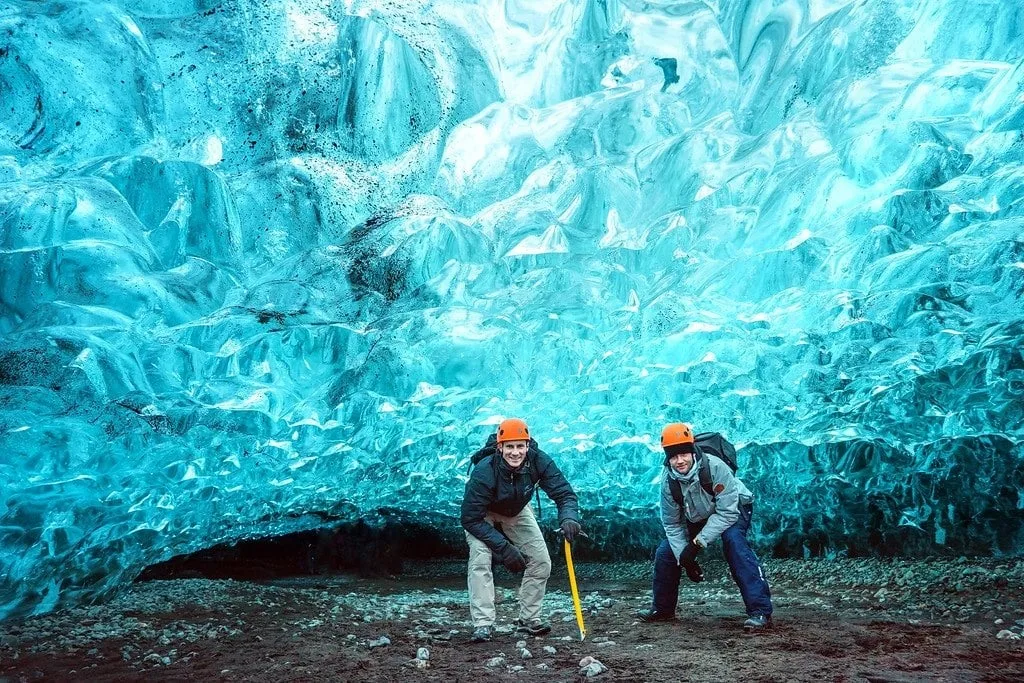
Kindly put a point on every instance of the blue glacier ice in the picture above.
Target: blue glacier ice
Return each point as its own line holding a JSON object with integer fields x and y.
{"x": 269, "y": 262}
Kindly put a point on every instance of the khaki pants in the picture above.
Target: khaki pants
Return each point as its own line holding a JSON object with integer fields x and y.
{"x": 524, "y": 533}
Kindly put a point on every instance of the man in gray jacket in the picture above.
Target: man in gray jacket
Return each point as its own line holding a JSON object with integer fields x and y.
{"x": 694, "y": 518}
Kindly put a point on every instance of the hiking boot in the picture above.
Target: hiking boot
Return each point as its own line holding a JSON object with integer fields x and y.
{"x": 534, "y": 627}
{"x": 482, "y": 634}
{"x": 650, "y": 616}
{"x": 758, "y": 623}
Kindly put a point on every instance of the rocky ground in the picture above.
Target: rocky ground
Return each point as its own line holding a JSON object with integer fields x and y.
{"x": 856, "y": 620}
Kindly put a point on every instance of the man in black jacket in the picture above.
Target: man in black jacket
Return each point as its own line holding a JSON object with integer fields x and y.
{"x": 498, "y": 494}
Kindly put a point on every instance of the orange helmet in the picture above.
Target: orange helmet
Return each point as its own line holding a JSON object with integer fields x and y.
{"x": 513, "y": 429}
{"x": 676, "y": 434}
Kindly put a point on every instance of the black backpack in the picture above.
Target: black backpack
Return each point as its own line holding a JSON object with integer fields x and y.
{"x": 714, "y": 444}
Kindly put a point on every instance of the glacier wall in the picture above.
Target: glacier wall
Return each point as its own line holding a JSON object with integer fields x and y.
{"x": 264, "y": 263}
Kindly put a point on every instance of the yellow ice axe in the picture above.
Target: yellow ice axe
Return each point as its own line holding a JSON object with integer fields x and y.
{"x": 575, "y": 592}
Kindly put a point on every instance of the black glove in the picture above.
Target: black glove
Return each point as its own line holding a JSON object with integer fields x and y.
{"x": 513, "y": 559}
{"x": 688, "y": 561}
{"x": 570, "y": 528}
{"x": 689, "y": 553}
{"x": 693, "y": 571}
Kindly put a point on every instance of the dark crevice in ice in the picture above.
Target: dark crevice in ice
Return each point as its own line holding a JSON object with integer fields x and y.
{"x": 361, "y": 547}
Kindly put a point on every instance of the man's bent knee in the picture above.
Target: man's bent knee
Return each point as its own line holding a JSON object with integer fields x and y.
{"x": 479, "y": 568}
{"x": 733, "y": 538}
{"x": 539, "y": 566}
{"x": 664, "y": 553}
{"x": 480, "y": 562}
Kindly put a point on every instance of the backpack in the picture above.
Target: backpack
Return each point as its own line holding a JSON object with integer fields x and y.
{"x": 714, "y": 444}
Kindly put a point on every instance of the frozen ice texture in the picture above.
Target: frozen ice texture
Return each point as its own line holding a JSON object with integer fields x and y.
{"x": 265, "y": 263}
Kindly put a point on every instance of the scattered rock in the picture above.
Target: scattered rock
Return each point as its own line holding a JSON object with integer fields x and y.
{"x": 516, "y": 668}
{"x": 153, "y": 621}
{"x": 520, "y": 644}
{"x": 543, "y": 667}
{"x": 379, "y": 642}
{"x": 525, "y": 654}
{"x": 423, "y": 653}
{"x": 495, "y": 662}
{"x": 590, "y": 667}
{"x": 607, "y": 643}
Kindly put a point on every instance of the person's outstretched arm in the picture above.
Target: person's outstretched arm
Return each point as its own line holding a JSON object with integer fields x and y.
{"x": 672, "y": 520}
{"x": 479, "y": 491}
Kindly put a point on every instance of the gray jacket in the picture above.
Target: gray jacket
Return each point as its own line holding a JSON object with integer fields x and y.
{"x": 721, "y": 512}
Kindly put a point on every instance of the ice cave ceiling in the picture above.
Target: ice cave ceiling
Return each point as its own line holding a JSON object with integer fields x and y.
{"x": 266, "y": 262}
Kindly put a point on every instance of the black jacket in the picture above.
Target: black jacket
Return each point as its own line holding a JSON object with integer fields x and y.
{"x": 494, "y": 487}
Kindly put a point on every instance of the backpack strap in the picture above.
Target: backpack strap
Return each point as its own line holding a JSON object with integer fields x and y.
{"x": 531, "y": 457}
{"x": 676, "y": 489}
{"x": 704, "y": 474}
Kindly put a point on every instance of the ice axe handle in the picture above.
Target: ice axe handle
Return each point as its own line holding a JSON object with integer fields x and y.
{"x": 575, "y": 591}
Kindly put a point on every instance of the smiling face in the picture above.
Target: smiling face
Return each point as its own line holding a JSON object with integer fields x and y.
{"x": 681, "y": 462}
{"x": 514, "y": 452}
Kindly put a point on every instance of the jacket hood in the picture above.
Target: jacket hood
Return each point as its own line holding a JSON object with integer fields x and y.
{"x": 689, "y": 476}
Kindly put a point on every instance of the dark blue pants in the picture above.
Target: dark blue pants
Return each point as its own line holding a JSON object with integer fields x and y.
{"x": 743, "y": 564}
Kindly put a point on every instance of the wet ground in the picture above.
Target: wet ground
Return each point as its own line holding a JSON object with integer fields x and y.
{"x": 844, "y": 620}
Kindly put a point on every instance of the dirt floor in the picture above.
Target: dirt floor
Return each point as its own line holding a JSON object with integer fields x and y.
{"x": 844, "y": 620}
